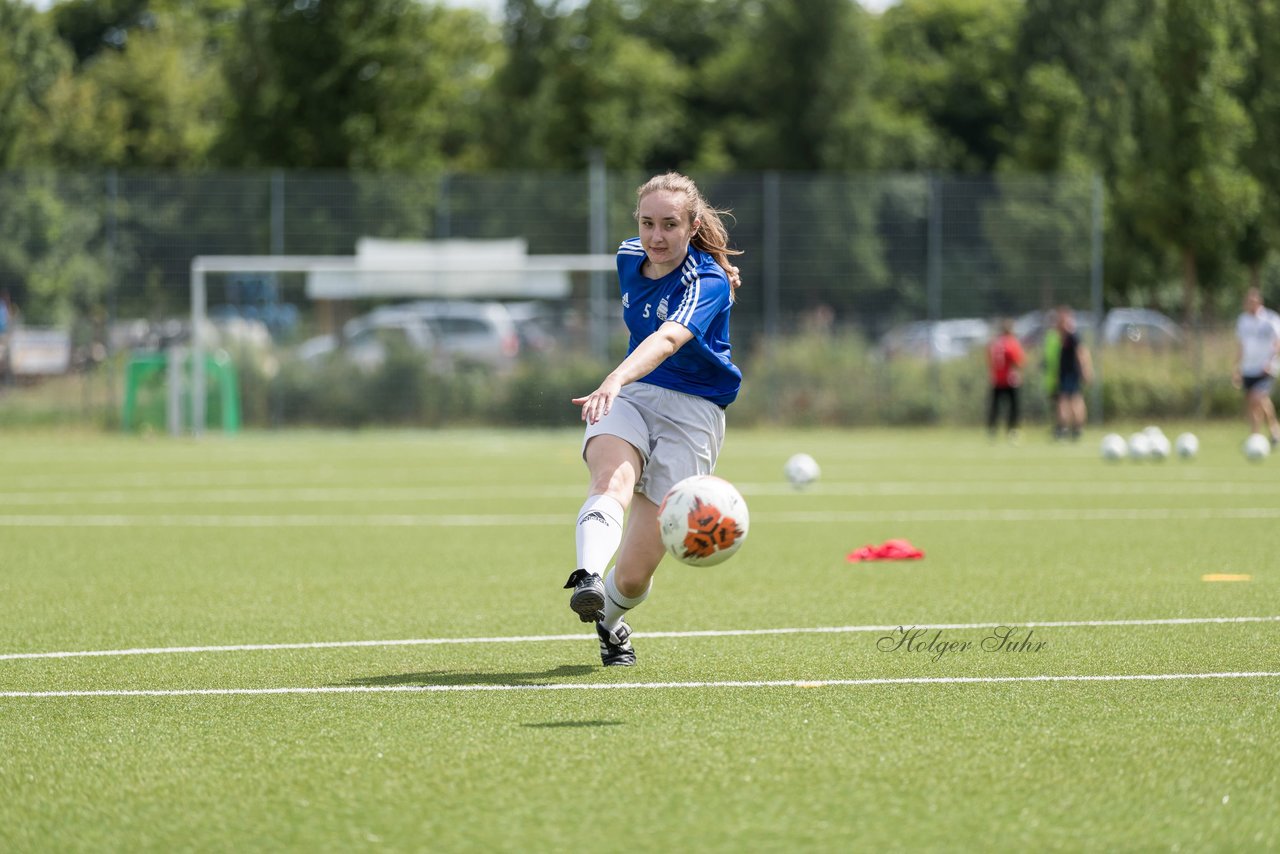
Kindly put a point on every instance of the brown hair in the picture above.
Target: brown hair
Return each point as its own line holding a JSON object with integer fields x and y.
{"x": 710, "y": 236}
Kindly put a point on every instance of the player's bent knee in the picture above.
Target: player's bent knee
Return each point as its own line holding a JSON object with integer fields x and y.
{"x": 614, "y": 466}
{"x": 632, "y": 582}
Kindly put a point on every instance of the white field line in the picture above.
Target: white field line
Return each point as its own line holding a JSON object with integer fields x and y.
{"x": 271, "y": 474}
{"x": 347, "y": 494}
{"x": 623, "y": 686}
{"x": 463, "y": 520}
{"x": 710, "y": 633}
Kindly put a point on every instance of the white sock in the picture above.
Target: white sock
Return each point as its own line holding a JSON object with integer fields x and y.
{"x": 616, "y": 605}
{"x": 598, "y": 533}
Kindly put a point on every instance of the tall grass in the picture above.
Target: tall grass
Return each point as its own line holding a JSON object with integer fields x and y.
{"x": 809, "y": 380}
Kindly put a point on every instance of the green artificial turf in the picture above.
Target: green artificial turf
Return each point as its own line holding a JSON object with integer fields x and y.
{"x": 409, "y": 585}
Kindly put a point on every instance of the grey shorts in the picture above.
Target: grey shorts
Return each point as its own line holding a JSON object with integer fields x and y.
{"x": 678, "y": 435}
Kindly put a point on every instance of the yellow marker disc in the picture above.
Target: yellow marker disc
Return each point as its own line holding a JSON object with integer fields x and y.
{"x": 1226, "y": 576}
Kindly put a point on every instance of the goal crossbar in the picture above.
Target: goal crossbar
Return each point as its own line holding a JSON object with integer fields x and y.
{"x": 455, "y": 265}
{"x": 352, "y": 263}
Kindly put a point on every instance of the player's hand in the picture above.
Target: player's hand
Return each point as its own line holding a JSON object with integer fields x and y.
{"x": 597, "y": 404}
{"x": 735, "y": 280}
{"x": 1236, "y": 380}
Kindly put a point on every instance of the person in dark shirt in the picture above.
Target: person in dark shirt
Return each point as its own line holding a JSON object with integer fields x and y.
{"x": 1075, "y": 371}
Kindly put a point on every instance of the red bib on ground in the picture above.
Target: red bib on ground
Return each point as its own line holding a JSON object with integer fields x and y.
{"x": 888, "y": 550}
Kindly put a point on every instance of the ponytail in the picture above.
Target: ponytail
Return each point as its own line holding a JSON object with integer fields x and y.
{"x": 711, "y": 235}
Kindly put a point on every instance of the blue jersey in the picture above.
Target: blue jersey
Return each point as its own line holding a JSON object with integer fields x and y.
{"x": 697, "y": 296}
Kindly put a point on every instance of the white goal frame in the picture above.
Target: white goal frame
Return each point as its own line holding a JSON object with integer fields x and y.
{"x": 597, "y": 265}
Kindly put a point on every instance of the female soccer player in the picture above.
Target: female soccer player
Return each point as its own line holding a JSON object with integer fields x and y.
{"x": 658, "y": 417}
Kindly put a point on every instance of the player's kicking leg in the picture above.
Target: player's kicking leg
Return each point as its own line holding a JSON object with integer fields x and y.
{"x": 629, "y": 582}
{"x": 614, "y": 465}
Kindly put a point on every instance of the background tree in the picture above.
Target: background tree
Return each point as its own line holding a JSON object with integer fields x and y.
{"x": 390, "y": 85}
{"x": 32, "y": 63}
{"x": 951, "y": 61}
{"x": 1171, "y": 102}
{"x": 606, "y": 89}
{"x": 50, "y": 249}
{"x": 1189, "y": 189}
{"x": 790, "y": 89}
{"x": 156, "y": 102}
{"x": 1080, "y": 68}
{"x": 1260, "y": 93}
{"x": 529, "y": 42}
{"x": 90, "y": 27}
{"x": 695, "y": 33}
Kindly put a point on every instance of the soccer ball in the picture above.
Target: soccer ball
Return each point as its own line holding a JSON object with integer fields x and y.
{"x": 703, "y": 520}
{"x": 1187, "y": 445}
{"x": 1256, "y": 447}
{"x": 801, "y": 470}
{"x": 1114, "y": 447}
{"x": 1139, "y": 446}
{"x": 1160, "y": 446}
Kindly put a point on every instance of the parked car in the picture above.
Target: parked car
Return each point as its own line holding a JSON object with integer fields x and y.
{"x": 1032, "y": 326}
{"x": 366, "y": 340}
{"x": 536, "y": 327}
{"x": 1140, "y": 326}
{"x": 450, "y": 333}
{"x": 471, "y": 333}
{"x": 1120, "y": 326}
{"x": 941, "y": 340}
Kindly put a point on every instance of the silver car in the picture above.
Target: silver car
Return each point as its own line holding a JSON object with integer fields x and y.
{"x": 940, "y": 341}
{"x": 449, "y": 333}
{"x": 367, "y": 339}
{"x": 471, "y": 333}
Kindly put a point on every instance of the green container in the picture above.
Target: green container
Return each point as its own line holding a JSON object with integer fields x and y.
{"x": 146, "y": 391}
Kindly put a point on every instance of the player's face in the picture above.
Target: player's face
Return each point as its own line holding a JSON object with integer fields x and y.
{"x": 665, "y": 229}
{"x": 1252, "y": 301}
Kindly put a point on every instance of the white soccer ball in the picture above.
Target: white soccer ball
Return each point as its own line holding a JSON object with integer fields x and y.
{"x": 1114, "y": 447}
{"x": 703, "y": 520}
{"x": 1187, "y": 445}
{"x": 1139, "y": 446}
{"x": 801, "y": 470}
{"x": 1152, "y": 431}
{"x": 1160, "y": 446}
{"x": 1257, "y": 447}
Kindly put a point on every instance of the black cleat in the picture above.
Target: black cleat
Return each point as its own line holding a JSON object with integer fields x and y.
{"x": 587, "y": 600}
{"x": 615, "y": 646}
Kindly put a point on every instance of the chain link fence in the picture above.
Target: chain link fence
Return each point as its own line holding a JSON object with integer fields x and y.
{"x": 866, "y": 299}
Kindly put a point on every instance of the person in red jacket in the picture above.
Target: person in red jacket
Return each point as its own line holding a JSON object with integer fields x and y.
{"x": 1004, "y": 359}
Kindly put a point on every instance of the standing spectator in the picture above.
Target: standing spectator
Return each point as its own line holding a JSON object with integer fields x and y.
{"x": 1004, "y": 360}
{"x": 8, "y": 319}
{"x": 1258, "y": 362}
{"x": 1052, "y": 350}
{"x": 1075, "y": 371}
{"x": 6, "y": 312}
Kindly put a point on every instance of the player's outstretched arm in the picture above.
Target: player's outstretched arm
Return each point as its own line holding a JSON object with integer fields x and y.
{"x": 651, "y": 352}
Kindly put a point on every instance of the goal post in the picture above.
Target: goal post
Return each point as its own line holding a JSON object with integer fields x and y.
{"x": 407, "y": 277}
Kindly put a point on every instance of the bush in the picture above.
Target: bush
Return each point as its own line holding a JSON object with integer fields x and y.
{"x": 815, "y": 379}
{"x": 538, "y": 394}
{"x": 321, "y": 395}
{"x": 823, "y": 379}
